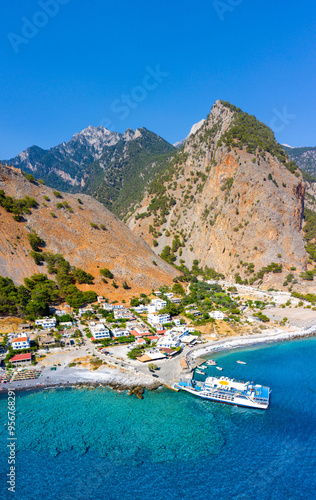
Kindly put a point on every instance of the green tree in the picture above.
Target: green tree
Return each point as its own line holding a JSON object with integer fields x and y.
{"x": 106, "y": 273}
{"x": 35, "y": 241}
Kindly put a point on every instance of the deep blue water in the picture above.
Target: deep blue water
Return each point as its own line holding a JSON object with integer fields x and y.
{"x": 98, "y": 444}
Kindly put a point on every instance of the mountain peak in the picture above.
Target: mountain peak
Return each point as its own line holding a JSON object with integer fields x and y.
{"x": 193, "y": 130}
{"x": 227, "y": 198}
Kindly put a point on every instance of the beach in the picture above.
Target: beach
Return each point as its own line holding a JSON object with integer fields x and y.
{"x": 273, "y": 335}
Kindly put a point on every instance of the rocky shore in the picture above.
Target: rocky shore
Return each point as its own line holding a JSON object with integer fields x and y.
{"x": 70, "y": 377}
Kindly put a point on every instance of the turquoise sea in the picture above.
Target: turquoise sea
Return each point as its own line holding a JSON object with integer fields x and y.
{"x": 100, "y": 444}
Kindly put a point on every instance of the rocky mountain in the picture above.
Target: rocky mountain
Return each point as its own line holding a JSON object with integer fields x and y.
{"x": 118, "y": 178}
{"x": 229, "y": 198}
{"x": 110, "y": 166}
{"x": 305, "y": 158}
{"x": 82, "y": 230}
{"x": 193, "y": 130}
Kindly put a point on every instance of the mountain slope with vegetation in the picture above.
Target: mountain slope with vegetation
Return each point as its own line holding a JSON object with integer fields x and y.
{"x": 114, "y": 168}
{"x": 119, "y": 177}
{"x": 231, "y": 199}
{"x": 73, "y": 239}
{"x": 305, "y": 158}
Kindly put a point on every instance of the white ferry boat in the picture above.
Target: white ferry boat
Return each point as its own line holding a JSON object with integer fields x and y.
{"x": 230, "y": 391}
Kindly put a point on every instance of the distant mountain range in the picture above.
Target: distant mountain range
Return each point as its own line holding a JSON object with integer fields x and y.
{"x": 111, "y": 167}
{"x": 305, "y": 158}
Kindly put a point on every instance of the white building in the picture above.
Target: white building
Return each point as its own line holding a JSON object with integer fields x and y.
{"x": 123, "y": 314}
{"x": 120, "y": 332}
{"x": 85, "y": 310}
{"x": 99, "y": 331}
{"x": 140, "y": 309}
{"x": 158, "y": 303}
{"x": 169, "y": 295}
{"x": 158, "y": 319}
{"x": 66, "y": 324}
{"x": 46, "y": 322}
{"x": 22, "y": 342}
{"x": 169, "y": 341}
{"x": 217, "y": 314}
{"x": 101, "y": 300}
{"x": 108, "y": 307}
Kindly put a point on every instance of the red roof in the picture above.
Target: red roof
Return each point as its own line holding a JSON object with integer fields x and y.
{"x": 20, "y": 339}
{"x": 161, "y": 332}
{"x": 153, "y": 338}
{"x": 22, "y": 357}
{"x": 92, "y": 339}
{"x": 167, "y": 350}
{"x": 140, "y": 341}
{"x": 136, "y": 334}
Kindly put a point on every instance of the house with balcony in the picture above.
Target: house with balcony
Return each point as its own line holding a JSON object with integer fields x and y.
{"x": 20, "y": 343}
{"x": 120, "y": 332}
{"x": 46, "y": 323}
{"x": 158, "y": 319}
{"x": 99, "y": 331}
{"x": 169, "y": 341}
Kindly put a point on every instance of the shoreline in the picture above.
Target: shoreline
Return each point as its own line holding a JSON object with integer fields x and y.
{"x": 135, "y": 384}
{"x": 253, "y": 340}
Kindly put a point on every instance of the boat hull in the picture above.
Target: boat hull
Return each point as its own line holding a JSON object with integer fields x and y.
{"x": 234, "y": 402}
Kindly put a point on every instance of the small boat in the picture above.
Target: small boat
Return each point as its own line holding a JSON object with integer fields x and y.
{"x": 241, "y": 362}
{"x": 219, "y": 368}
{"x": 200, "y": 372}
{"x": 211, "y": 362}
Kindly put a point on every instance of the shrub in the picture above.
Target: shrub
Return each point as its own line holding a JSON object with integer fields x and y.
{"x": 57, "y": 194}
{"x": 82, "y": 276}
{"x": 106, "y": 273}
{"x": 35, "y": 241}
{"x": 30, "y": 178}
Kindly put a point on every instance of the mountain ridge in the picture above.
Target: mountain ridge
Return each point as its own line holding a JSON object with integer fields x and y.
{"x": 97, "y": 162}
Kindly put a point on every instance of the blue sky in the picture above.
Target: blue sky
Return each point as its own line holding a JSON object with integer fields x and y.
{"x": 64, "y": 70}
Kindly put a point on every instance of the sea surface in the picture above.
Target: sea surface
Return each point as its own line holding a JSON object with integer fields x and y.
{"x": 75, "y": 444}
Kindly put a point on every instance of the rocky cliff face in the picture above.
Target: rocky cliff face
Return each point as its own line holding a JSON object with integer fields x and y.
{"x": 67, "y": 230}
{"x": 228, "y": 198}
